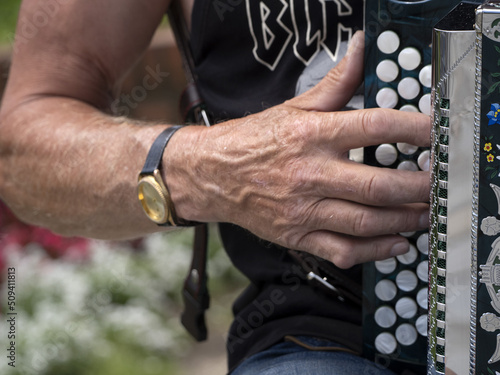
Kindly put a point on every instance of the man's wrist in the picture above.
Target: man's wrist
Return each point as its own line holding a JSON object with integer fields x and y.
{"x": 189, "y": 172}
{"x": 152, "y": 189}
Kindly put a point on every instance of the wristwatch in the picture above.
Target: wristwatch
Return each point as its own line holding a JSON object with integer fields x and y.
{"x": 152, "y": 191}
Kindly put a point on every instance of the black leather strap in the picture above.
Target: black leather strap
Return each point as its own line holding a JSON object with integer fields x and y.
{"x": 195, "y": 292}
{"x": 153, "y": 160}
{"x": 189, "y": 102}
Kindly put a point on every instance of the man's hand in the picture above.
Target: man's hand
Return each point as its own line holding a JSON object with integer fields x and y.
{"x": 285, "y": 174}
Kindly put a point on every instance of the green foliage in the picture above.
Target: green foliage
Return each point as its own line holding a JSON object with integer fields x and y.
{"x": 9, "y": 10}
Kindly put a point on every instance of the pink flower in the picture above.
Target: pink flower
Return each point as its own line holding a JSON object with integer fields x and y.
{"x": 14, "y": 232}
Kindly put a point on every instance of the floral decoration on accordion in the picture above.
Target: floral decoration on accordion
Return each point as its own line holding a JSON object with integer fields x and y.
{"x": 496, "y": 33}
{"x": 490, "y": 226}
{"x": 491, "y": 151}
{"x": 494, "y": 113}
{"x": 487, "y": 249}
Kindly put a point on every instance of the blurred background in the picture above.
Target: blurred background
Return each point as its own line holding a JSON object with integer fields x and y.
{"x": 104, "y": 308}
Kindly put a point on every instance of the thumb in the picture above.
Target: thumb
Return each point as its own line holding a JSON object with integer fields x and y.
{"x": 335, "y": 90}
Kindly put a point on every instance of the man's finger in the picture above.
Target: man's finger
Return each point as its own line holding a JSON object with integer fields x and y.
{"x": 371, "y": 185}
{"x": 345, "y": 251}
{"x": 367, "y": 221}
{"x": 335, "y": 90}
{"x": 353, "y": 129}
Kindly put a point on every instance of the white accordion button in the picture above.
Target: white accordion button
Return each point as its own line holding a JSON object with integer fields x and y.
{"x": 387, "y": 98}
{"x": 387, "y": 71}
{"x": 422, "y": 298}
{"x": 385, "y": 316}
{"x": 407, "y": 148}
{"x": 388, "y": 42}
{"x": 386, "y": 266}
{"x": 406, "y": 234}
{"x": 385, "y": 290}
{"x": 408, "y": 88}
{"x": 424, "y": 160}
{"x": 386, "y": 154}
{"x": 409, "y": 108}
{"x": 423, "y": 271}
{"x": 421, "y": 325}
{"x": 409, "y": 58}
{"x": 406, "y": 308}
{"x": 408, "y": 165}
{"x": 406, "y": 280}
{"x": 425, "y": 76}
{"x": 423, "y": 243}
{"x": 406, "y": 334}
{"x": 386, "y": 343}
{"x": 424, "y": 104}
{"x": 409, "y": 257}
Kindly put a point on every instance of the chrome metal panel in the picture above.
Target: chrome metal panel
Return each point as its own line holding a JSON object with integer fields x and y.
{"x": 454, "y": 58}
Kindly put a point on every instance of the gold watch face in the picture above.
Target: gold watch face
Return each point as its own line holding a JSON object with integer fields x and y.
{"x": 153, "y": 199}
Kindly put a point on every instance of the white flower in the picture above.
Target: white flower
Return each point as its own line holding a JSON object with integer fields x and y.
{"x": 67, "y": 310}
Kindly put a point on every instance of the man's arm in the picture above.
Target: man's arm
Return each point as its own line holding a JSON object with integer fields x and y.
{"x": 283, "y": 173}
{"x": 64, "y": 163}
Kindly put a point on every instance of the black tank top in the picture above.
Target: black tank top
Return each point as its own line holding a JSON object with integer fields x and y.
{"x": 250, "y": 55}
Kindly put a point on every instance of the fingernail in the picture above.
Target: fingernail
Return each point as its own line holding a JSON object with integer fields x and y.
{"x": 400, "y": 248}
{"x": 356, "y": 39}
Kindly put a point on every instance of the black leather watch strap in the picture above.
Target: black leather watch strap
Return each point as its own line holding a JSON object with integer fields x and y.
{"x": 153, "y": 160}
{"x": 153, "y": 163}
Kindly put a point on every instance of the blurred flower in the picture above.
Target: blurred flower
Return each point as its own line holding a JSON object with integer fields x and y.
{"x": 15, "y": 233}
{"x": 493, "y": 114}
{"x": 74, "y": 314}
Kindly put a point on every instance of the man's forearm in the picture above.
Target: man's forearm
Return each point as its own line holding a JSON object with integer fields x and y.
{"x": 67, "y": 166}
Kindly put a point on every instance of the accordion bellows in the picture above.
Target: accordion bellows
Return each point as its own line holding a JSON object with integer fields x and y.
{"x": 464, "y": 250}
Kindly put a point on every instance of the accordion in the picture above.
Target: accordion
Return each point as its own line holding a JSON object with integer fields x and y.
{"x": 450, "y": 321}
{"x": 464, "y": 278}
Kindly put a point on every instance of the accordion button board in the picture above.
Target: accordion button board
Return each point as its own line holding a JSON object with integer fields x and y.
{"x": 399, "y": 75}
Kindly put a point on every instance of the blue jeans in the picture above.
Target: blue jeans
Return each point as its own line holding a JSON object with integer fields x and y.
{"x": 290, "y": 358}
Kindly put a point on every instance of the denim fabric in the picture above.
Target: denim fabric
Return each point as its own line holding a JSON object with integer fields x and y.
{"x": 288, "y": 358}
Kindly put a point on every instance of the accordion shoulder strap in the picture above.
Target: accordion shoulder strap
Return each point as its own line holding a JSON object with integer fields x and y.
{"x": 195, "y": 292}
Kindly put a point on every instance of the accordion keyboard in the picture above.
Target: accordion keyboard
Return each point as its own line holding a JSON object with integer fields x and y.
{"x": 398, "y": 75}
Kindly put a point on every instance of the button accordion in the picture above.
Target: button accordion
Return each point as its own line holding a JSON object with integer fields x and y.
{"x": 436, "y": 310}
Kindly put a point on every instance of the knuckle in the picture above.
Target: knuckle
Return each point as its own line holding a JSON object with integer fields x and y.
{"x": 375, "y": 122}
{"x": 372, "y": 189}
{"x": 307, "y": 126}
{"x": 295, "y": 222}
{"x": 292, "y": 130}
{"x": 342, "y": 252}
{"x": 362, "y": 223}
{"x": 289, "y": 227}
{"x": 290, "y": 215}
{"x": 312, "y": 122}
{"x": 302, "y": 242}
{"x": 334, "y": 76}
